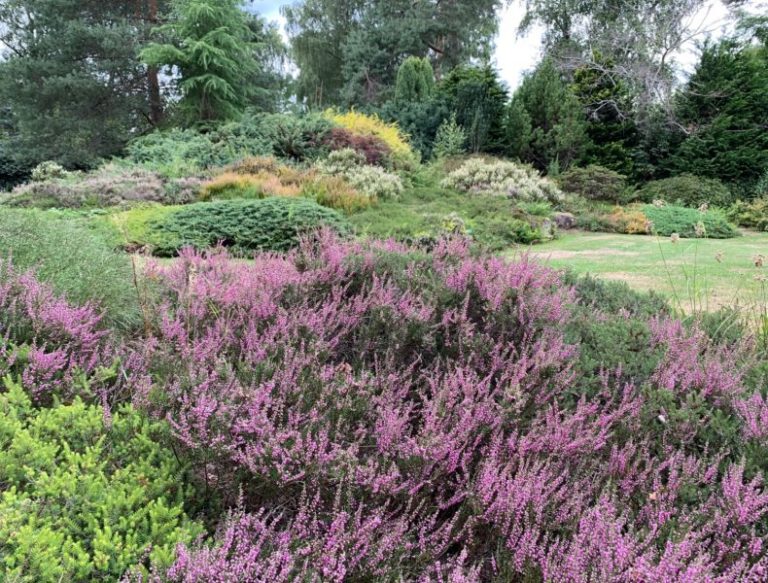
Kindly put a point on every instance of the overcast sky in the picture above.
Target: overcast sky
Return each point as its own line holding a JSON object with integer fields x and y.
{"x": 515, "y": 55}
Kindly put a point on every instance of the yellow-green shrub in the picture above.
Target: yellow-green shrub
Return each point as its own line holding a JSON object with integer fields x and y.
{"x": 232, "y": 185}
{"x": 336, "y": 193}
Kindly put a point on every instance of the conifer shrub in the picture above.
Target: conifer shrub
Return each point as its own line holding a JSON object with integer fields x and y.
{"x": 666, "y": 220}
{"x": 86, "y": 497}
{"x": 595, "y": 183}
{"x": 687, "y": 190}
{"x": 245, "y": 226}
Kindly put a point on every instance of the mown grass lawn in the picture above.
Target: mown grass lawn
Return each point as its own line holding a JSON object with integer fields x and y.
{"x": 697, "y": 274}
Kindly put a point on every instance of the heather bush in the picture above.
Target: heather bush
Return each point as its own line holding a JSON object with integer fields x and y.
{"x": 55, "y": 350}
{"x": 245, "y": 226}
{"x": 376, "y": 411}
{"x": 109, "y": 185}
{"x": 687, "y": 190}
{"x": 667, "y": 220}
{"x": 86, "y": 497}
{"x": 595, "y": 183}
{"x": 372, "y": 181}
{"x": 76, "y": 259}
{"x": 502, "y": 178}
{"x": 47, "y": 171}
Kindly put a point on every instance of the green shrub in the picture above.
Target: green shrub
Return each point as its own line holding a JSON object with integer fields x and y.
{"x": 751, "y": 215}
{"x": 425, "y": 213}
{"x": 609, "y": 324}
{"x": 83, "y": 500}
{"x": 502, "y": 178}
{"x": 293, "y": 137}
{"x": 451, "y": 139}
{"x": 136, "y": 227}
{"x": 78, "y": 261}
{"x": 178, "y": 153}
{"x": 372, "y": 181}
{"x": 271, "y": 224}
{"x": 687, "y": 190}
{"x": 667, "y": 220}
{"x": 110, "y": 185}
{"x": 595, "y": 183}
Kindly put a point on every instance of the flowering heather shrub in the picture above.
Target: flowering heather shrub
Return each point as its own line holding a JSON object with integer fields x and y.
{"x": 372, "y": 181}
{"x": 110, "y": 185}
{"x": 502, "y": 178}
{"x": 379, "y": 412}
{"x": 46, "y": 340}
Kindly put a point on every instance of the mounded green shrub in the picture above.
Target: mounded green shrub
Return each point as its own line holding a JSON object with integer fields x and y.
{"x": 271, "y": 224}
{"x": 85, "y": 498}
{"x": 78, "y": 260}
{"x": 687, "y": 190}
{"x": 595, "y": 183}
{"x": 667, "y": 220}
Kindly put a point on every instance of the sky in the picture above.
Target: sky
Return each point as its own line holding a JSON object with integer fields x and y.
{"x": 515, "y": 55}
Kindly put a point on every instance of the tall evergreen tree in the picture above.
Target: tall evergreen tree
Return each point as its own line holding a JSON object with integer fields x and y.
{"x": 415, "y": 80}
{"x": 208, "y": 41}
{"x": 72, "y": 79}
{"x": 353, "y": 49}
{"x": 723, "y": 110}
{"x": 545, "y": 121}
{"x": 478, "y": 98}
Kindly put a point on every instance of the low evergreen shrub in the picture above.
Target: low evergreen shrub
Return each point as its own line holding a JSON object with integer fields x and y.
{"x": 271, "y": 224}
{"x": 595, "y": 183}
{"x": 667, "y": 220}
{"x": 687, "y": 190}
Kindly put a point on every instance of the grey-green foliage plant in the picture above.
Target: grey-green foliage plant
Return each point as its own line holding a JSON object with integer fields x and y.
{"x": 451, "y": 139}
{"x": 86, "y": 498}
{"x": 415, "y": 80}
{"x": 73, "y": 257}
{"x": 209, "y": 42}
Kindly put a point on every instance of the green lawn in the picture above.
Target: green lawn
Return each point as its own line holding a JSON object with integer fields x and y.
{"x": 695, "y": 273}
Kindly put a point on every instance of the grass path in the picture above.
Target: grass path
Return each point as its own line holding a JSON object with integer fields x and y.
{"x": 697, "y": 274}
